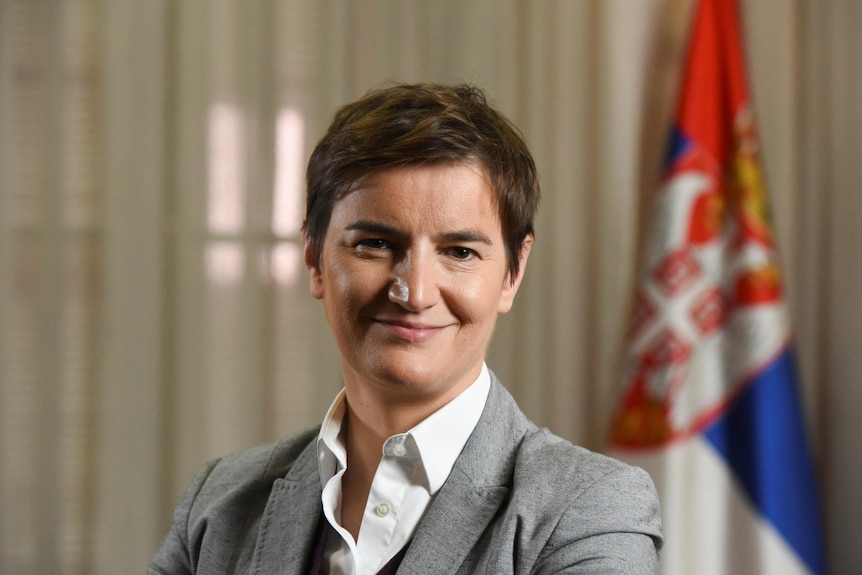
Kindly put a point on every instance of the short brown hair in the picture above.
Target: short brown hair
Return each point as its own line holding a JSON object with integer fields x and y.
{"x": 408, "y": 124}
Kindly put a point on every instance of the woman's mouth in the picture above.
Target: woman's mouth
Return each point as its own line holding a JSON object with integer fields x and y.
{"x": 410, "y": 331}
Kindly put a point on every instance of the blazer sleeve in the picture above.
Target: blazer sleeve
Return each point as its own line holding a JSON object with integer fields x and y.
{"x": 612, "y": 526}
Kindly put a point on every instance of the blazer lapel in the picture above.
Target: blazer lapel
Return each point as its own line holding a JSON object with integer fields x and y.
{"x": 479, "y": 483}
{"x": 451, "y": 530}
{"x": 290, "y": 519}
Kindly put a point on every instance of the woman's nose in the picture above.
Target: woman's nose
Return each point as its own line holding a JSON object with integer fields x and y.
{"x": 414, "y": 286}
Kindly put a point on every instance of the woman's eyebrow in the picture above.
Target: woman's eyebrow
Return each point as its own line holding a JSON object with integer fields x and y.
{"x": 466, "y": 236}
{"x": 373, "y": 227}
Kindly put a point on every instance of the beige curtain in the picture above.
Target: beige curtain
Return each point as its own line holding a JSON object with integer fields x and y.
{"x": 153, "y": 307}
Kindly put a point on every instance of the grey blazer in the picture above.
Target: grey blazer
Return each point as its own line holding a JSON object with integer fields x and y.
{"x": 519, "y": 500}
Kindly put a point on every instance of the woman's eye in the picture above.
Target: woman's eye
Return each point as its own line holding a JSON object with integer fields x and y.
{"x": 374, "y": 244}
{"x": 462, "y": 253}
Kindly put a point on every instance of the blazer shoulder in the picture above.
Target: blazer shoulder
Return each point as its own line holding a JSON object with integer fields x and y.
{"x": 216, "y": 522}
{"x": 234, "y": 484}
{"x": 548, "y": 455}
{"x": 589, "y": 495}
{"x": 576, "y": 475}
{"x": 264, "y": 462}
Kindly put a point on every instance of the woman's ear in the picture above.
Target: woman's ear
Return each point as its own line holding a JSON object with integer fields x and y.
{"x": 312, "y": 264}
{"x": 511, "y": 285}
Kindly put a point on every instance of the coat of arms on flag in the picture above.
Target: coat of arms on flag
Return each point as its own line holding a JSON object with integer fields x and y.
{"x": 712, "y": 288}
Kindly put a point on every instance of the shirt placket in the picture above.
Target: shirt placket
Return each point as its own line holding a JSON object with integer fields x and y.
{"x": 385, "y": 500}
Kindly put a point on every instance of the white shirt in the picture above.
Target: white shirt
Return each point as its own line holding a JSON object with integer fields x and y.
{"x": 413, "y": 468}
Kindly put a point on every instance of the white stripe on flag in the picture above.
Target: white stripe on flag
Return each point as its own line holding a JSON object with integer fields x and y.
{"x": 710, "y": 528}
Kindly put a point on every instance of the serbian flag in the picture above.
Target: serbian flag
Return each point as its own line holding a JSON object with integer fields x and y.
{"x": 710, "y": 404}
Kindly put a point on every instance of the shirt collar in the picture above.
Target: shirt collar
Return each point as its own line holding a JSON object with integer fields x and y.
{"x": 437, "y": 440}
{"x": 331, "y": 453}
{"x": 442, "y": 435}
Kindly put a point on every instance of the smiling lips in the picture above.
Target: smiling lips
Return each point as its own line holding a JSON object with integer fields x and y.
{"x": 412, "y": 332}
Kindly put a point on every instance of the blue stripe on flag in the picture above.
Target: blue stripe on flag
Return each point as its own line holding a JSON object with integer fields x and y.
{"x": 762, "y": 437}
{"x": 676, "y": 145}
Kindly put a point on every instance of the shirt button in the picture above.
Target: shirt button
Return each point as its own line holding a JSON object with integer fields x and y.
{"x": 399, "y": 451}
{"x": 382, "y": 510}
